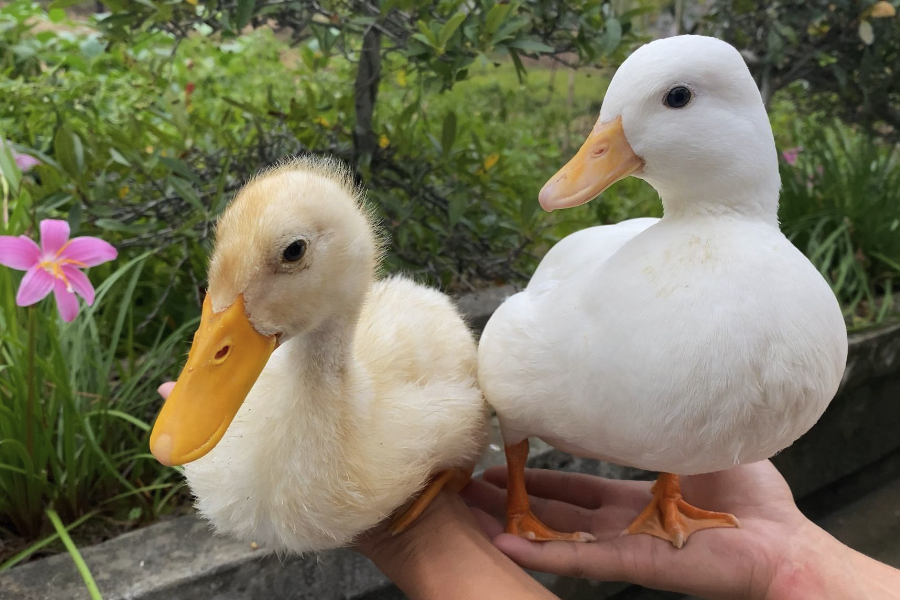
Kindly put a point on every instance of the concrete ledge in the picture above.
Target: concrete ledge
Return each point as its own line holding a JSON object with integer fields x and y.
{"x": 479, "y": 306}
{"x": 181, "y": 559}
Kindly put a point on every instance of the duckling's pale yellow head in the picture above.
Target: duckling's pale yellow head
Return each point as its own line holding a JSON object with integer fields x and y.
{"x": 294, "y": 250}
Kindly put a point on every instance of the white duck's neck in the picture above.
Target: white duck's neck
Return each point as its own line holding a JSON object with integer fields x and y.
{"x": 744, "y": 199}
{"x": 739, "y": 179}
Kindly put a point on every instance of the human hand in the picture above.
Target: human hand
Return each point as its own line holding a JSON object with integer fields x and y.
{"x": 445, "y": 554}
{"x": 777, "y": 553}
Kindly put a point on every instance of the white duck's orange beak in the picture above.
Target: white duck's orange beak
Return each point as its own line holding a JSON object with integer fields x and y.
{"x": 226, "y": 357}
{"x": 604, "y": 158}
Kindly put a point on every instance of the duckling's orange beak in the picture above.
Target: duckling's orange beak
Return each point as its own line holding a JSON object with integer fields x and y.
{"x": 225, "y": 360}
{"x": 604, "y": 158}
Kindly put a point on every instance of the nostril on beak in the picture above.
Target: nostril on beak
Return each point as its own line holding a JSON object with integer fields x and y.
{"x": 222, "y": 354}
{"x": 600, "y": 151}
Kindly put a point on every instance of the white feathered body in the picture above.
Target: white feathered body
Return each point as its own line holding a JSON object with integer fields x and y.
{"x": 312, "y": 460}
{"x": 679, "y": 345}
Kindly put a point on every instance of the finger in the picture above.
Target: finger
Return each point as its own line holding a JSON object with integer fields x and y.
{"x": 587, "y": 491}
{"x": 564, "y": 517}
{"x": 166, "y": 389}
{"x": 488, "y": 524}
{"x": 486, "y": 497}
{"x": 595, "y": 560}
{"x": 753, "y": 486}
{"x": 555, "y": 514}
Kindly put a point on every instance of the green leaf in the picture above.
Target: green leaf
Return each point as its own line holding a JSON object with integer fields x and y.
{"x": 428, "y": 33}
{"x": 450, "y": 28}
{"x": 69, "y": 151}
{"x": 8, "y": 169}
{"x": 186, "y": 191}
{"x": 456, "y": 207}
{"x": 179, "y": 167}
{"x": 496, "y": 16}
{"x": 243, "y": 13}
{"x": 117, "y": 157}
{"x": 91, "y": 48}
{"x": 531, "y": 46}
{"x": 80, "y": 565}
{"x": 113, "y": 225}
{"x": 448, "y": 133}
{"x": 520, "y": 68}
{"x": 64, "y": 3}
{"x": 56, "y": 15}
{"x": 19, "y": 557}
{"x": 423, "y": 39}
{"x": 866, "y": 33}
{"x": 74, "y": 217}
{"x": 509, "y": 27}
{"x": 612, "y": 37}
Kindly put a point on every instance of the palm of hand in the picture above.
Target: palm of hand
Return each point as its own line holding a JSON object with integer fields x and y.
{"x": 719, "y": 563}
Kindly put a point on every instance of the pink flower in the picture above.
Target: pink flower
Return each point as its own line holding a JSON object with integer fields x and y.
{"x": 790, "y": 155}
{"x": 24, "y": 161}
{"x": 54, "y": 265}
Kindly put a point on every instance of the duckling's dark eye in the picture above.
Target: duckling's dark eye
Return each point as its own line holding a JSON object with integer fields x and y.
{"x": 678, "y": 97}
{"x": 295, "y": 251}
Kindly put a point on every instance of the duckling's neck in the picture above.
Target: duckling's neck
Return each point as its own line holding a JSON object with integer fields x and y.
{"x": 319, "y": 359}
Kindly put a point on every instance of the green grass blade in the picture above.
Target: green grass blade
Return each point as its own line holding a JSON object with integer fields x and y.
{"x": 24, "y": 554}
{"x": 119, "y": 414}
{"x": 75, "y": 554}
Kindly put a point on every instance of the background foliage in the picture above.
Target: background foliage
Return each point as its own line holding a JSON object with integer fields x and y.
{"x": 843, "y": 54}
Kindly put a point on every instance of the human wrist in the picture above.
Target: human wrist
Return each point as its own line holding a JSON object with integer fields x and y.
{"x": 407, "y": 557}
{"x": 819, "y": 567}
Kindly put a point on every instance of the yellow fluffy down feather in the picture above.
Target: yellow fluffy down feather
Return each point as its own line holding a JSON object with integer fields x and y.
{"x": 372, "y": 390}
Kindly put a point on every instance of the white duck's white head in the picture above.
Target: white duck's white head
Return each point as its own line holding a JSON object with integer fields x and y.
{"x": 685, "y": 115}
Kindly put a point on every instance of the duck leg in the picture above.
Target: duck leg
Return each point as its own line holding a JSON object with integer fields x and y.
{"x": 519, "y": 518}
{"x": 453, "y": 479}
{"x": 669, "y": 517}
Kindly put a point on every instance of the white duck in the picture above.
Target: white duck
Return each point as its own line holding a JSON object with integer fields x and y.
{"x": 684, "y": 345}
{"x": 346, "y": 393}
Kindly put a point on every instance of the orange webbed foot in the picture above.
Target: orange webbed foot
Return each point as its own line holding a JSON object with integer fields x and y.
{"x": 527, "y": 526}
{"x": 520, "y": 520}
{"x": 669, "y": 517}
{"x": 453, "y": 479}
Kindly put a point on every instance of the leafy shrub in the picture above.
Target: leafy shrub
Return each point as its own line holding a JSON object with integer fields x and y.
{"x": 840, "y": 204}
{"x": 75, "y": 402}
{"x": 843, "y": 52}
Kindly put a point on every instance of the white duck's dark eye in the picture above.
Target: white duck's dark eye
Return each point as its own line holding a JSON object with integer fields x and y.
{"x": 295, "y": 251}
{"x": 678, "y": 97}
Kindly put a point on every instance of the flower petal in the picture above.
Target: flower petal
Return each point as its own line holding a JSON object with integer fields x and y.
{"x": 25, "y": 162}
{"x": 19, "y": 252}
{"x": 66, "y": 301}
{"x": 54, "y": 235}
{"x": 80, "y": 283}
{"x": 89, "y": 251}
{"x": 36, "y": 284}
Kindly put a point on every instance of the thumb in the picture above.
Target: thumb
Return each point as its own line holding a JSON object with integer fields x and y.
{"x": 166, "y": 389}
{"x": 597, "y": 560}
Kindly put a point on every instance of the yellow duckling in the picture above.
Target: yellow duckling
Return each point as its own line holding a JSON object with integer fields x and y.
{"x": 317, "y": 400}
